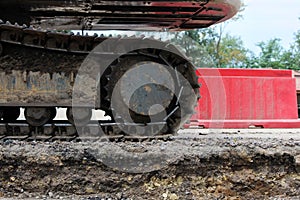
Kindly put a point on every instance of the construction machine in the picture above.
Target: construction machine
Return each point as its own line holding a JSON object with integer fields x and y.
{"x": 147, "y": 87}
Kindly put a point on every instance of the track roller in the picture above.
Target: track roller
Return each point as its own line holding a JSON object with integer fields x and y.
{"x": 79, "y": 116}
{"x": 39, "y": 116}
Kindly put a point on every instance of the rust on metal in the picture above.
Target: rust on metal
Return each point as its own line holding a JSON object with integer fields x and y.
{"x": 119, "y": 15}
{"x": 38, "y": 66}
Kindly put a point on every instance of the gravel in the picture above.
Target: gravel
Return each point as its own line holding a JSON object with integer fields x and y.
{"x": 195, "y": 164}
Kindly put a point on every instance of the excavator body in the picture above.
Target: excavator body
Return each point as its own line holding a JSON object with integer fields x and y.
{"x": 137, "y": 81}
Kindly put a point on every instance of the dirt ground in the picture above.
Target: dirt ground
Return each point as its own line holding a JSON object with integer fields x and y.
{"x": 196, "y": 164}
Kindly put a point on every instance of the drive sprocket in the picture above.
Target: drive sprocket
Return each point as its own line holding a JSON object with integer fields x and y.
{"x": 150, "y": 92}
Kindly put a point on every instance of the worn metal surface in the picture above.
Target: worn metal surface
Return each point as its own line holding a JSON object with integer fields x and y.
{"x": 61, "y": 130}
{"x": 35, "y": 88}
{"x": 125, "y": 15}
{"x": 38, "y": 69}
{"x": 37, "y": 66}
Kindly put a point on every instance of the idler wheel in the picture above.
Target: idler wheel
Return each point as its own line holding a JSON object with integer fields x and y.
{"x": 38, "y": 116}
{"x": 79, "y": 116}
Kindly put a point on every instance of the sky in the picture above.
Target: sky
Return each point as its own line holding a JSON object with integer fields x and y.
{"x": 267, "y": 19}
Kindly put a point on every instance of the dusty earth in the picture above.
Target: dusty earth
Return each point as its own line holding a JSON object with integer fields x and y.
{"x": 196, "y": 164}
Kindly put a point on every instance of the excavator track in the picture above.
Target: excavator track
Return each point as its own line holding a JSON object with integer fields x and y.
{"x": 64, "y": 131}
{"x": 25, "y": 51}
{"x": 147, "y": 87}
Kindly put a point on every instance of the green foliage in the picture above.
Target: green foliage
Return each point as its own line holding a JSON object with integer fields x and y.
{"x": 270, "y": 55}
{"x": 198, "y": 45}
{"x": 211, "y": 47}
{"x": 291, "y": 57}
{"x": 208, "y": 48}
{"x": 273, "y": 55}
{"x": 232, "y": 52}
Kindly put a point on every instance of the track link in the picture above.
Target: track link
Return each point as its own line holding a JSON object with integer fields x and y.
{"x": 35, "y": 48}
{"x": 63, "y": 131}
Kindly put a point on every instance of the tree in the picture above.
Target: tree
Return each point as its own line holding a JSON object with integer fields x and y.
{"x": 231, "y": 52}
{"x": 273, "y": 55}
{"x": 270, "y": 56}
{"x": 198, "y": 45}
{"x": 291, "y": 57}
{"x": 208, "y": 49}
{"x": 211, "y": 47}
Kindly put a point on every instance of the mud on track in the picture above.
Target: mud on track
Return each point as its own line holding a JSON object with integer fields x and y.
{"x": 196, "y": 164}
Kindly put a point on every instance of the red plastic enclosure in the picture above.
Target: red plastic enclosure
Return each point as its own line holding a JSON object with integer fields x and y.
{"x": 297, "y": 76}
{"x": 245, "y": 98}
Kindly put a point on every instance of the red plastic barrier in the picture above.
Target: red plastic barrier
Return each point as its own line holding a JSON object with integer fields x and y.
{"x": 243, "y": 98}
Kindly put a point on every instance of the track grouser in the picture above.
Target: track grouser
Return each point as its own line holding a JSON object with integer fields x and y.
{"x": 147, "y": 87}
